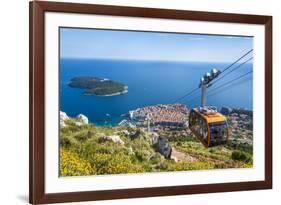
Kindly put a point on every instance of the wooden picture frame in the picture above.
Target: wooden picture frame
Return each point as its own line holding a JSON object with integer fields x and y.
{"x": 37, "y": 11}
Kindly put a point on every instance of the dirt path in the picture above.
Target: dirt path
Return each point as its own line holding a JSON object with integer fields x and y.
{"x": 180, "y": 156}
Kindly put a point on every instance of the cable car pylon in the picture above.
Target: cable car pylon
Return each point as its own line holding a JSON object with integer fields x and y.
{"x": 205, "y": 82}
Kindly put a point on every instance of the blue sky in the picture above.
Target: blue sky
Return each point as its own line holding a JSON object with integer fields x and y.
{"x": 129, "y": 45}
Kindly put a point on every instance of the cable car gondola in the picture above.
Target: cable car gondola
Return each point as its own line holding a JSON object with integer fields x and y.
{"x": 209, "y": 126}
{"x": 206, "y": 123}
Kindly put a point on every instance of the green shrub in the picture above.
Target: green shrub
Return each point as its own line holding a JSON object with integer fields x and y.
{"x": 137, "y": 134}
{"x": 142, "y": 155}
{"x": 179, "y": 143}
{"x": 241, "y": 156}
{"x": 142, "y": 149}
{"x": 82, "y": 136}
{"x": 68, "y": 141}
{"x": 156, "y": 158}
{"x": 234, "y": 144}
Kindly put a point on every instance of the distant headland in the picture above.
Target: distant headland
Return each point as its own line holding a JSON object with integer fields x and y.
{"x": 98, "y": 86}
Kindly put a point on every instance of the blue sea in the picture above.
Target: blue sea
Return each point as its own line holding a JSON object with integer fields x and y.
{"x": 150, "y": 83}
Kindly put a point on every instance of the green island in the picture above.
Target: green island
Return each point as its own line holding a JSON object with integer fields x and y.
{"x": 98, "y": 86}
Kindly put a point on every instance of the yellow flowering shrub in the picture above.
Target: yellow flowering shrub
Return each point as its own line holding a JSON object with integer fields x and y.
{"x": 114, "y": 164}
{"x": 72, "y": 165}
{"x": 184, "y": 166}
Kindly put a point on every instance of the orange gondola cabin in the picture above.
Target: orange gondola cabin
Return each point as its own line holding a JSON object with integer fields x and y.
{"x": 209, "y": 126}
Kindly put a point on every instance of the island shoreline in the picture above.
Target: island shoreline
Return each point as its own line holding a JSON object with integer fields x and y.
{"x": 109, "y": 95}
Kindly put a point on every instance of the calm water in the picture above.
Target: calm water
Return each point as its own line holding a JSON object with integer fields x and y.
{"x": 150, "y": 83}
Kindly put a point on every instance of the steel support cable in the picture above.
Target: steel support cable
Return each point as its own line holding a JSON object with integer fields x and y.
{"x": 222, "y": 89}
{"x": 236, "y": 61}
{"x": 189, "y": 93}
{"x": 227, "y": 83}
{"x": 235, "y": 79}
{"x": 235, "y": 68}
{"x": 195, "y": 89}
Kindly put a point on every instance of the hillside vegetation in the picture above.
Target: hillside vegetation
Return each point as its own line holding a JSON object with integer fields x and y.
{"x": 85, "y": 150}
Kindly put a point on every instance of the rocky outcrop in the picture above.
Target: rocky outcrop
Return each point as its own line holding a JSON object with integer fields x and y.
{"x": 79, "y": 124}
{"x": 82, "y": 118}
{"x": 154, "y": 137}
{"x": 112, "y": 138}
{"x": 126, "y": 133}
{"x": 179, "y": 156}
{"x": 62, "y": 124}
{"x": 63, "y": 117}
{"x": 163, "y": 147}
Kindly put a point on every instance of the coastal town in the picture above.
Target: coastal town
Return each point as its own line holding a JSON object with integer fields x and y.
{"x": 162, "y": 115}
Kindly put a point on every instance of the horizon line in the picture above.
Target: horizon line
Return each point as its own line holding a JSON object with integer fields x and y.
{"x": 127, "y": 59}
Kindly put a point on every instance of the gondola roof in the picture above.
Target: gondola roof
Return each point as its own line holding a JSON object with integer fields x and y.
{"x": 213, "y": 117}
